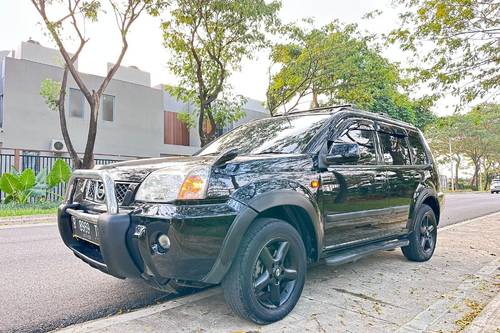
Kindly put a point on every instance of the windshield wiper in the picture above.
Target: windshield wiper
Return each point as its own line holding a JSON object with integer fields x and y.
{"x": 271, "y": 152}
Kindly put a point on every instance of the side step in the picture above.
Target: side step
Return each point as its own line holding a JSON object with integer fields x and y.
{"x": 350, "y": 255}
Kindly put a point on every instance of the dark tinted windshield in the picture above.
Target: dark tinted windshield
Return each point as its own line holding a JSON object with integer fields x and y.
{"x": 289, "y": 134}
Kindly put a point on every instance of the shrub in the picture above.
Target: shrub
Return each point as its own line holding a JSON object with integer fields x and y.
{"x": 19, "y": 187}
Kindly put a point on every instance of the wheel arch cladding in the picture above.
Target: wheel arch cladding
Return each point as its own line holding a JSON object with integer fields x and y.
{"x": 433, "y": 202}
{"x": 298, "y": 210}
{"x": 301, "y": 221}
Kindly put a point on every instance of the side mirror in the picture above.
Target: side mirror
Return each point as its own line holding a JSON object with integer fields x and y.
{"x": 343, "y": 153}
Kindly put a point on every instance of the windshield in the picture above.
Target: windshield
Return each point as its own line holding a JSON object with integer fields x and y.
{"x": 281, "y": 135}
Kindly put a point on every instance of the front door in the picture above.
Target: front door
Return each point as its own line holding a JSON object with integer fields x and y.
{"x": 353, "y": 192}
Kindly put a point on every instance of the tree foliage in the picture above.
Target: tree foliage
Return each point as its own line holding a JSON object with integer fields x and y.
{"x": 69, "y": 24}
{"x": 336, "y": 65}
{"x": 209, "y": 39}
{"x": 474, "y": 136}
{"x": 458, "y": 42}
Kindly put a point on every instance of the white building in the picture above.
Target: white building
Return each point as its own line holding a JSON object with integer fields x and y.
{"x": 135, "y": 119}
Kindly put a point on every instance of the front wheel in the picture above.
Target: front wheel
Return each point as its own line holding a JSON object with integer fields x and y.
{"x": 268, "y": 274}
{"x": 423, "y": 237}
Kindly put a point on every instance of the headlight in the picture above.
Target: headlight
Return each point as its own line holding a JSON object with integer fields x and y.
{"x": 168, "y": 185}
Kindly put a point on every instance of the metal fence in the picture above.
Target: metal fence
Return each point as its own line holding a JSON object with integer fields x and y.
{"x": 38, "y": 162}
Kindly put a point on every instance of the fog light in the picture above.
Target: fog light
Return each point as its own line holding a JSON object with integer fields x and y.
{"x": 164, "y": 241}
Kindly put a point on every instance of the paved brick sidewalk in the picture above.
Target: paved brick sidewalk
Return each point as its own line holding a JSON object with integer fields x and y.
{"x": 381, "y": 293}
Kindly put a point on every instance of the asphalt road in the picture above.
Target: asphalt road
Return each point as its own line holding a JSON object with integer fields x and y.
{"x": 44, "y": 287}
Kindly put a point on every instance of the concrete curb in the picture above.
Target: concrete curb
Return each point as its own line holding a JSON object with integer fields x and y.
{"x": 468, "y": 221}
{"x": 29, "y": 225}
{"x": 424, "y": 320}
{"x": 103, "y": 323}
{"x": 488, "y": 320}
{"x": 27, "y": 220}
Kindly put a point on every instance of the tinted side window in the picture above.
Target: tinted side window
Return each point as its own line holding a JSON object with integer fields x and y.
{"x": 417, "y": 148}
{"x": 394, "y": 148}
{"x": 363, "y": 136}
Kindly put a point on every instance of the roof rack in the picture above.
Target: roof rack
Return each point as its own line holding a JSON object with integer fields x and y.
{"x": 320, "y": 109}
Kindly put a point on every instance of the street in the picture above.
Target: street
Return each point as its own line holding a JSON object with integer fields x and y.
{"x": 44, "y": 287}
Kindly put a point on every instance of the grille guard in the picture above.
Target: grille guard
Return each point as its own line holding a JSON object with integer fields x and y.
{"x": 108, "y": 182}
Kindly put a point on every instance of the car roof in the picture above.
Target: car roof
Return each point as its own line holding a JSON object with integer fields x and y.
{"x": 351, "y": 110}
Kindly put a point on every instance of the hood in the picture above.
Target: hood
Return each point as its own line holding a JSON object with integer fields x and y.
{"x": 137, "y": 170}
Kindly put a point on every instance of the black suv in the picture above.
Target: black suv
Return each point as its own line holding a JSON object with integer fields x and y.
{"x": 252, "y": 209}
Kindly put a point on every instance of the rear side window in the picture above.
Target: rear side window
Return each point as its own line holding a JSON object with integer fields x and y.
{"x": 417, "y": 149}
{"x": 395, "y": 150}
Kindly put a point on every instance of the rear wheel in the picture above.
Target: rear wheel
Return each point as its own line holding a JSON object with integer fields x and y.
{"x": 267, "y": 276}
{"x": 423, "y": 236}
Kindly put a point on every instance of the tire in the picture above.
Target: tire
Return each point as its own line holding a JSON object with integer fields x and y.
{"x": 272, "y": 255}
{"x": 423, "y": 237}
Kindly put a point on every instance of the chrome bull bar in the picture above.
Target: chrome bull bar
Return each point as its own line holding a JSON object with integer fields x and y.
{"x": 108, "y": 182}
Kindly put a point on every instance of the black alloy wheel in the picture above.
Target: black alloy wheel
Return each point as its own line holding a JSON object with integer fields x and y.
{"x": 275, "y": 274}
{"x": 423, "y": 237}
{"x": 267, "y": 275}
{"x": 427, "y": 234}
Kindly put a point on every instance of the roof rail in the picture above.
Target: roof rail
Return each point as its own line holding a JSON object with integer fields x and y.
{"x": 320, "y": 109}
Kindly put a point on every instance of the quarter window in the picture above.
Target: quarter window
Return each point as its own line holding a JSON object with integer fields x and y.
{"x": 362, "y": 136}
{"x": 75, "y": 103}
{"x": 394, "y": 148}
{"x": 108, "y": 107}
{"x": 417, "y": 149}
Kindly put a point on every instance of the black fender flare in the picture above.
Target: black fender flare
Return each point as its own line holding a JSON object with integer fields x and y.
{"x": 248, "y": 214}
{"x": 423, "y": 194}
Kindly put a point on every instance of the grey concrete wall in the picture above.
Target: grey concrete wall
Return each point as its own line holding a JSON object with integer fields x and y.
{"x": 40, "y": 54}
{"x": 136, "y": 130}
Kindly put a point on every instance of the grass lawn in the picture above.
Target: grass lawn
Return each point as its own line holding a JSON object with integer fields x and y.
{"x": 7, "y": 210}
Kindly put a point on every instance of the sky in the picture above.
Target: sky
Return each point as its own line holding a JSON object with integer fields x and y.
{"x": 19, "y": 21}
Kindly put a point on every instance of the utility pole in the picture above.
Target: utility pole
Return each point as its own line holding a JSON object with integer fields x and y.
{"x": 451, "y": 165}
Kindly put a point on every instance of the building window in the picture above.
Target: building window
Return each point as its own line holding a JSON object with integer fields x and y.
{"x": 108, "y": 107}
{"x": 1, "y": 111}
{"x": 175, "y": 132}
{"x": 75, "y": 103}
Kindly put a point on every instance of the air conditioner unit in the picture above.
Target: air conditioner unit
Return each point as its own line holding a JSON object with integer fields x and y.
{"x": 58, "y": 145}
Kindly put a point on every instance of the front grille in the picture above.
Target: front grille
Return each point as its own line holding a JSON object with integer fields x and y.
{"x": 94, "y": 191}
{"x": 121, "y": 190}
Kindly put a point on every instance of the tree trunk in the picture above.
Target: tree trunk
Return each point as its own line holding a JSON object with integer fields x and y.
{"x": 88, "y": 157}
{"x": 457, "y": 168}
{"x": 475, "y": 178}
{"x": 77, "y": 162}
{"x": 314, "y": 103}
{"x": 206, "y": 136}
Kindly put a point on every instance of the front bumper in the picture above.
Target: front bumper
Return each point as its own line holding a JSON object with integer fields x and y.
{"x": 128, "y": 240}
{"x": 112, "y": 255}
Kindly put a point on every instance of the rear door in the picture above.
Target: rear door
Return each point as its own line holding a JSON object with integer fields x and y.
{"x": 353, "y": 192}
{"x": 402, "y": 177}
